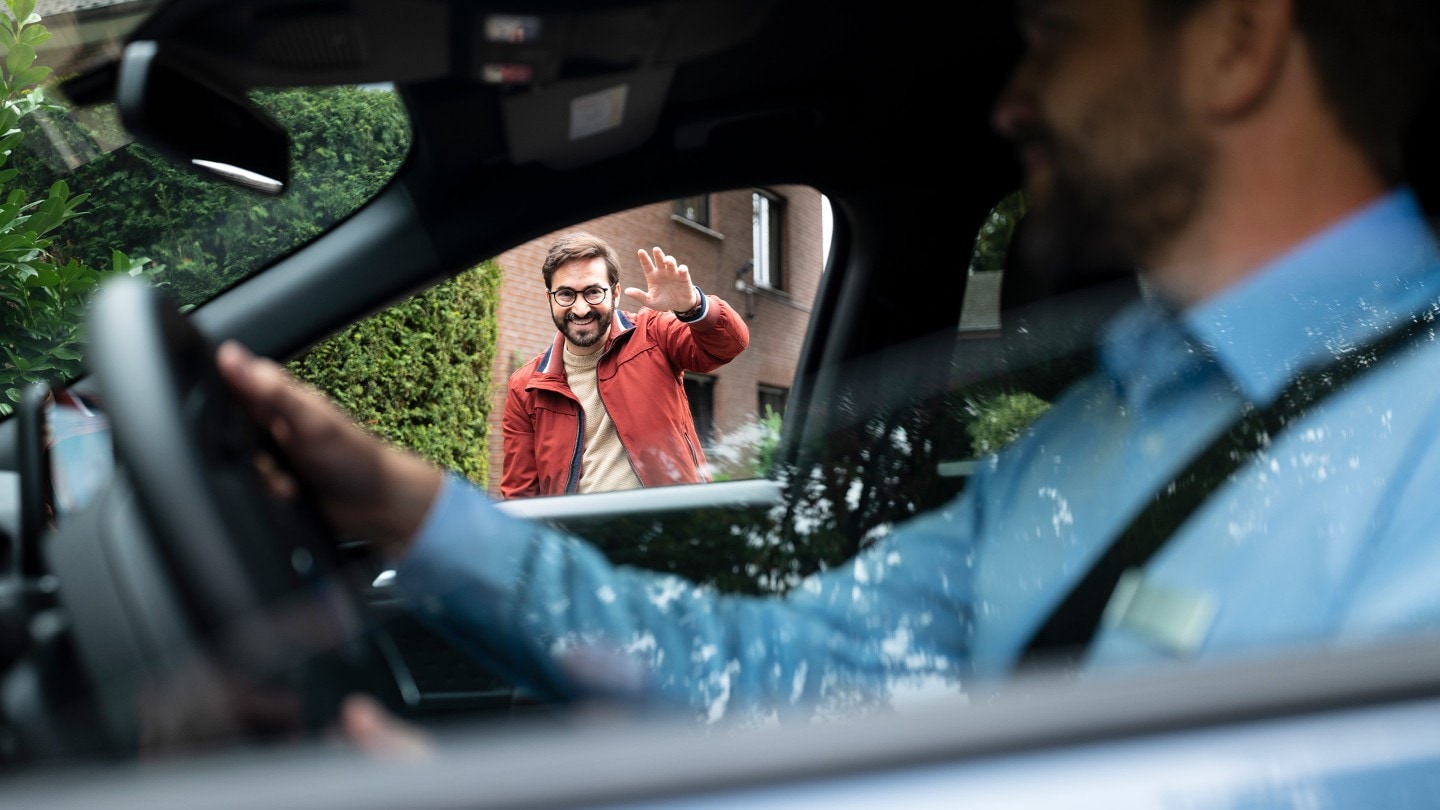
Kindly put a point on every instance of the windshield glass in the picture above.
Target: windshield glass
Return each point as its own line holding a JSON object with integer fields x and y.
{"x": 83, "y": 201}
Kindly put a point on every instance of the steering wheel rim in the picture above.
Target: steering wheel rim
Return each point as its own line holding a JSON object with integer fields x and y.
{"x": 258, "y": 577}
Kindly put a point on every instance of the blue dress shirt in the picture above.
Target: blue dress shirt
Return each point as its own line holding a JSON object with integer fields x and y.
{"x": 1327, "y": 537}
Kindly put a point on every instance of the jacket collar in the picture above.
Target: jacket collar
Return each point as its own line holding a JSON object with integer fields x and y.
{"x": 551, "y": 361}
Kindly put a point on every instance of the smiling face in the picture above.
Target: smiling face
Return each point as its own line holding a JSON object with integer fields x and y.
{"x": 584, "y": 325}
{"x": 1115, "y": 165}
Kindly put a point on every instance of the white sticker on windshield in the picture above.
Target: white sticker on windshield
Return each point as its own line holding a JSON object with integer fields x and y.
{"x": 598, "y": 112}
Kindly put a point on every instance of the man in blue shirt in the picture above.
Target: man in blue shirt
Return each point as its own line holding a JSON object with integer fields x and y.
{"x": 1244, "y": 153}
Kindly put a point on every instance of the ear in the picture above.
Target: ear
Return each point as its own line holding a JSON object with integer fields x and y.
{"x": 1238, "y": 50}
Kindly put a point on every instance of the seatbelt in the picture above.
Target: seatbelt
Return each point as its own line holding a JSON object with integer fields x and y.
{"x": 1068, "y": 632}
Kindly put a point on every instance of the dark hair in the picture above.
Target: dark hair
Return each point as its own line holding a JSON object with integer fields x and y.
{"x": 580, "y": 245}
{"x": 1374, "y": 62}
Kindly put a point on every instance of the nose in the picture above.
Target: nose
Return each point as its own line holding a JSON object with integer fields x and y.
{"x": 581, "y": 307}
{"x": 1015, "y": 110}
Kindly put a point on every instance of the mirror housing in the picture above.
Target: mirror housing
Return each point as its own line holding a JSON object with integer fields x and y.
{"x": 198, "y": 122}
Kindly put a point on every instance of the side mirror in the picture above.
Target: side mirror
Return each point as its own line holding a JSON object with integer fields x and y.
{"x": 198, "y": 122}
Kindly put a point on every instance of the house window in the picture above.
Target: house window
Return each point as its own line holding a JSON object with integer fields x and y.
{"x": 696, "y": 209}
{"x": 766, "y": 233}
{"x": 772, "y": 398}
{"x": 700, "y": 391}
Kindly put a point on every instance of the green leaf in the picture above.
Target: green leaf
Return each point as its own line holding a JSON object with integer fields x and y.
{"x": 22, "y": 9}
{"x": 12, "y": 242}
{"x": 31, "y": 76}
{"x": 34, "y": 34}
{"x": 7, "y": 36}
{"x": 53, "y": 210}
{"x": 120, "y": 263}
{"x": 66, "y": 354}
{"x": 20, "y": 57}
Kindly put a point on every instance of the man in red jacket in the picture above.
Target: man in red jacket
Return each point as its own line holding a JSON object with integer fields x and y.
{"x": 604, "y": 408}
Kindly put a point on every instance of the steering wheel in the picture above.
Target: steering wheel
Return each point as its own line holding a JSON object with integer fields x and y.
{"x": 265, "y": 607}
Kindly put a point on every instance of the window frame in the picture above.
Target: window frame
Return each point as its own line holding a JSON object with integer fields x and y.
{"x": 770, "y": 395}
{"x": 700, "y": 395}
{"x": 694, "y": 209}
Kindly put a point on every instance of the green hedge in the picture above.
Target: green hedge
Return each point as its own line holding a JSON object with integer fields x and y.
{"x": 419, "y": 372}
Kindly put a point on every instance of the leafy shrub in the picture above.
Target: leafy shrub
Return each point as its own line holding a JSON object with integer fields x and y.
{"x": 418, "y": 373}
{"x": 347, "y": 142}
{"x": 771, "y": 426}
{"x": 43, "y": 294}
{"x": 1000, "y": 419}
{"x": 997, "y": 233}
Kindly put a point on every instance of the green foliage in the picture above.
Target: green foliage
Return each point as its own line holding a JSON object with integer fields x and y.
{"x": 771, "y": 424}
{"x": 999, "y": 419}
{"x": 748, "y": 452}
{"x": 418, "y": 373}
{"x": 43, "y": 293}
{"x": 997, "y": 232}
{"x": 347, "y": 142}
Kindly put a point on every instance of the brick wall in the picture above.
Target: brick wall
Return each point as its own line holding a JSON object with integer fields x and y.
{"x": 777, "y": 320}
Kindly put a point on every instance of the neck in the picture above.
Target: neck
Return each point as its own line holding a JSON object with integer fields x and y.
{"x": 1279, "y": 175}
{"x": 1243, "y": 239}
{"x": 583, "y": 351}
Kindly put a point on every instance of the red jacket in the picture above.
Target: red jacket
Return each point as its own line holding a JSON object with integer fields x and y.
{"x": 641, "y": 381}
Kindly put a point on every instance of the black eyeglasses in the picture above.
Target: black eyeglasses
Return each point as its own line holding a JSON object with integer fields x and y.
{"x": 565, "y": 296}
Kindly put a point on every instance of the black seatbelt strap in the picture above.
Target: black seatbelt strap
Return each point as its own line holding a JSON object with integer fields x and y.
{"x": 1067, "y": 633}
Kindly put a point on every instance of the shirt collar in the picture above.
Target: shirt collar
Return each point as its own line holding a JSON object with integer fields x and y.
{"x": 1326, "y": 297}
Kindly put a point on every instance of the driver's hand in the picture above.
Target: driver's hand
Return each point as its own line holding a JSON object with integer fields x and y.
{"x": 367, "y": 725}
{"x": 367, "y": 487}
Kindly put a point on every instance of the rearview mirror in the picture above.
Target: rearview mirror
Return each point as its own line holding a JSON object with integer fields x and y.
{"x": 198, "y": 122}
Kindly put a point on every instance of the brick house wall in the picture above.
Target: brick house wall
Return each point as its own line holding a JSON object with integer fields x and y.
{"x": 777, "y": 318}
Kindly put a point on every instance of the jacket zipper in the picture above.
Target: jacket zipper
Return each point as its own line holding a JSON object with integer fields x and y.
{"x": 700, "y": 473}
{"x": 573, "y": 484}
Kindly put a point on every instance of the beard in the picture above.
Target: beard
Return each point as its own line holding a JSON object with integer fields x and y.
{"x": 1122, "y": 187}
{"x": 581, "y": 335}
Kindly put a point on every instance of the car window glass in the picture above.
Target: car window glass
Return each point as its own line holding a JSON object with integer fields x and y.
{"x": 431, "y": 372}
{"x": 888, "y": 453}
{"x": 83, "y": 201}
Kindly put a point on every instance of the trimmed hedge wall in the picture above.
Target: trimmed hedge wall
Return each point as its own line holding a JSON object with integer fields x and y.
{"x": 418, "y": 373}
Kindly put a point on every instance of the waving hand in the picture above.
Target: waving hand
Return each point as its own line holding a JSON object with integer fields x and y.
{"x": 669, "y": 284}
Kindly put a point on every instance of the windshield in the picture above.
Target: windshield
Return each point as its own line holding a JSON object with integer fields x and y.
{"x": 82, "y": 201}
